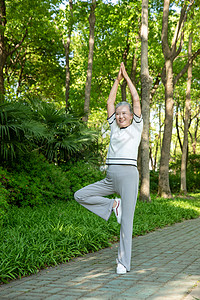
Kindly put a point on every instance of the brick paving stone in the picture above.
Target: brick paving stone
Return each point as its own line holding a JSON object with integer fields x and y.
{"x": 10, "y": 295}
{"x": 75, "y": 293}
{"x": 58, "y": 297}
{"x": 30, "y": 297}
{"x": 134, "y": 290}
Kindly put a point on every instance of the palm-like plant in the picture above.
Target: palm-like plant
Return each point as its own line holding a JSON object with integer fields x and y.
{"x": 37, "y": 125}
{"x": 18, "y": 129}
{"x": 67, "y": 135}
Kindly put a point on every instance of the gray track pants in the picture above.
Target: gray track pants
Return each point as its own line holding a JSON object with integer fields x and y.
{"x": 123, "y": 180}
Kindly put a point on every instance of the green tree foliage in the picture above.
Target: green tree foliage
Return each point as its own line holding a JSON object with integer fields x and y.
{"x": 34, "y": 50}
{"x": 35, "y": 67}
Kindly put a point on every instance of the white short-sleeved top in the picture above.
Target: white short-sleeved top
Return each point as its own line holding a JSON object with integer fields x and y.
{"x": 124, "y": 142}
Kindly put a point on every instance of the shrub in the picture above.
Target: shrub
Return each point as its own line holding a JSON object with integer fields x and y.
{"x": 193, "y": 173}
{"x": 192, "y": 177}
{"x": 175, "y": 182}
{"x": 32, "y": 180}
{"x": 154, "y": 181}
{"x": 3, "y": 202}
{"x": 82, "y": 173}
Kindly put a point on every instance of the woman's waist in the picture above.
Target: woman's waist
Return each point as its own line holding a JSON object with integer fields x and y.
{"x": 121, "y": 161}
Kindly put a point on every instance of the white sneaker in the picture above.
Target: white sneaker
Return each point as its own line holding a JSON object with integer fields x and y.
{"x": 120, "y": 269}
{"x": 118, "y": 210}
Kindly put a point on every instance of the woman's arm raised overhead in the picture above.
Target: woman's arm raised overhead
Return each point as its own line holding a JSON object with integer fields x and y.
{"x": 113, "y": 93}
{"x": 134, "y": 93}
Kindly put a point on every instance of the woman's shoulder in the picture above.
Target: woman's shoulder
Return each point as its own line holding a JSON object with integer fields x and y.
{"x": 137, "y": 119}
{"x": 111, "y": 119}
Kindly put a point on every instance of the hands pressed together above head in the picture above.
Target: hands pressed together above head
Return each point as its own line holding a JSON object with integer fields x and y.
{"x": 112, "y": 96}
{"x": 122, "y": 73}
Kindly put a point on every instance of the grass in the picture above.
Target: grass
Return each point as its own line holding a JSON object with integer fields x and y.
{"x": 162, "y": 212}
{"x": 35, "y": 238}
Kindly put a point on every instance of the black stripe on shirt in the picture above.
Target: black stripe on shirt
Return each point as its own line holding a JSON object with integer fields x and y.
{"x": 122, "y": 158}
{"x": 117, "y": 164}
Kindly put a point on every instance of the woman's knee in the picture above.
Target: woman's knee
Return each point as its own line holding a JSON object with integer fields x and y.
{"x": 76, "y": 196}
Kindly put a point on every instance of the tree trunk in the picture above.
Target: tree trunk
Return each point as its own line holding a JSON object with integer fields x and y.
{"x": 196, "y": 126}
{"x": 164, "y": 188}
{"x": 2, "y": 48}
{"x": 124, "y": 59}
{"x": 66, "y": 45}
{"x": 160, "y": 128}
{"x": 186, "y": 121}
{"x": 177, "y": 127}
{"x": 21, "y": 74}
{"x": 156, "y": 152}
{"x": 170, "y": 53}
{"x": 123, "y": 90}
{"x": 151, "y": 156}
{"x": 194, "y": 145}
{"x": 92, "y": 20}
{"x": 134, "y": 63}
{"x": 145, "y": 81}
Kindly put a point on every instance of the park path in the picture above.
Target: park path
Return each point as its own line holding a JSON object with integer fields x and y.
{"x": 165, "y": 266}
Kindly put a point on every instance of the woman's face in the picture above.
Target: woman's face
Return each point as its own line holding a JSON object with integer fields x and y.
{"x": 123, "y": 116}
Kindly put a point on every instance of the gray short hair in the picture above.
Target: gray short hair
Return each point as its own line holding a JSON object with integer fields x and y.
{"x": 124, "y": 103}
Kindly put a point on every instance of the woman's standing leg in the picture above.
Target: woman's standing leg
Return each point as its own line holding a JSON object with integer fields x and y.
{"x": 127, "y": 181}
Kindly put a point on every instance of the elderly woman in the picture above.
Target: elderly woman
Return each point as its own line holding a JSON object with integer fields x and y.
{"x": 122, "y": 174}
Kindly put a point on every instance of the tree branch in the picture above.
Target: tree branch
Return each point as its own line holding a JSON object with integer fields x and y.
{"x": 155, "y": 86}
{"x": 176, "y": 53}
{"x": 22, "y": 40}
{"x": 178, "y": 33}
{"x": 185, "y": 68}
{"x": 164, "y": 35}
{"x": 178, "y": 28}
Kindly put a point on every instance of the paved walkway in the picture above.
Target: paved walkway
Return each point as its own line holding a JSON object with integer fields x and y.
{"x": 165, "y": 266}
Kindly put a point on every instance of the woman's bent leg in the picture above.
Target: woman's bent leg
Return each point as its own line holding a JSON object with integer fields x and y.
{"x": 92, "y": 198}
